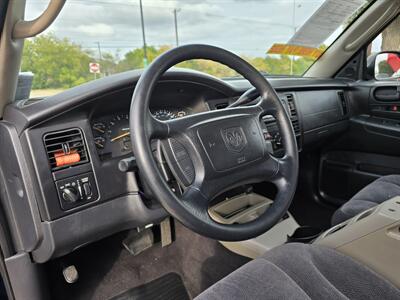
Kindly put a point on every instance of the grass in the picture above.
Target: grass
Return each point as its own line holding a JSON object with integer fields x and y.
{"x": 45, "y": 92}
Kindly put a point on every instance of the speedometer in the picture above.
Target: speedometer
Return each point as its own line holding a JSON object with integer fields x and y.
{"x": 119, "y": 133}
{"x": 118, "y": 127}
{"x": 164, "y": 114}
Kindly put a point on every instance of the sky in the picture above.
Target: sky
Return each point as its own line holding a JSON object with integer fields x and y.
{"x": 246, "y": 27}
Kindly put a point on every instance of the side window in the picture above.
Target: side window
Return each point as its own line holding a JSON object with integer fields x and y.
{"x": 386, "y": 65}
{"x": 388, "y": 39}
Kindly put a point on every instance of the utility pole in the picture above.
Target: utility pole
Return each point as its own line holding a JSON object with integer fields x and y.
{"x": 176, "y": 10}
{"x": 294, "y": 32}
{"x": 99, "y": 48}
{"x": 100, "y": 56}
{"x": 145, "y": 60}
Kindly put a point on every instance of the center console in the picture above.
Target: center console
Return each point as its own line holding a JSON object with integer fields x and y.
{"x": 372, "y": 238}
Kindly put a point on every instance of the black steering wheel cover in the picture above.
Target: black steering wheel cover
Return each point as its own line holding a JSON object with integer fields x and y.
{"x": 140, "y": 120}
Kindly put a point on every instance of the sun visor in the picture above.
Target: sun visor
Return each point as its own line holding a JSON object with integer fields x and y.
{"x": 324, "y": 22}
{"x": 295, "y": 50}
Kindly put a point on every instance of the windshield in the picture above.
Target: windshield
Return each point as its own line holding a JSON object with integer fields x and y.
{"x": 97, "y": 38}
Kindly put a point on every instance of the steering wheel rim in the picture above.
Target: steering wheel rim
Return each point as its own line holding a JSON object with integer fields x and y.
{"x": 209, "y": 172}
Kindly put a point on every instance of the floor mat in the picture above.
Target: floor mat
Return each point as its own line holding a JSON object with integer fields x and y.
{"x": 106, "y": 269}
{"x": 169, "y": 286}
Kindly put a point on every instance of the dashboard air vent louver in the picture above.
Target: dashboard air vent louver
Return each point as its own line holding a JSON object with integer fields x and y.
{"x": 65, "y": 148}
{"x": 293, "y": 113}
{"x": 343, "y": 102}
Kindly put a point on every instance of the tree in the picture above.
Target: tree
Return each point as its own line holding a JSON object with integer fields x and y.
{"x": 60, "y": 63}
{"x": 134, "y": 59}
{"x": 108, "y": 64}
{"x": 55, "y": 63}
{"x": 207, "y": 66}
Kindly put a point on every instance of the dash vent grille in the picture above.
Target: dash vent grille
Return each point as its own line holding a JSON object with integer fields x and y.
{"x": 343, "y": 102}
{"x": 62, "y": 143}
{"x": 293, "y": 113}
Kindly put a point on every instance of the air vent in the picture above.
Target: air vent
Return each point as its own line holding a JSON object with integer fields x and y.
{"x": 293, "y": 114}
{"x": 65, "y": 148}
{"x": 343, "y": 102}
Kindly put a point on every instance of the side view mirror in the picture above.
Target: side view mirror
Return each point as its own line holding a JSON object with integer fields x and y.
{"x": 384, "y": 65}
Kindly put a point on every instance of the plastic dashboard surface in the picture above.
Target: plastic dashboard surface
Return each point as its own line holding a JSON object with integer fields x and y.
{"x": 119, "y": 203}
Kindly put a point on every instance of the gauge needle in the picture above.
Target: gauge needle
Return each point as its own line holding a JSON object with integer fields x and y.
{"x": 98, "y": 144}
{"x": 120, "y": 136}
{"x": 99, "y": 130}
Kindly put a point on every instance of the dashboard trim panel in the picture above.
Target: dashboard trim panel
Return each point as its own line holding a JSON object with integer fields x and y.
{"x": 121, "y": 204}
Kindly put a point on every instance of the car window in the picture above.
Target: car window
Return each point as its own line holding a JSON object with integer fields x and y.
{"x": 386, "y": 65}
{"x": 97, "y": 38}
{"x": 388, "y": 39}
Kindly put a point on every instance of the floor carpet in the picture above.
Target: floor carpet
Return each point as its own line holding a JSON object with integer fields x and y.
{"x": 106, "y": 269}
{"x": 169, "y": 286}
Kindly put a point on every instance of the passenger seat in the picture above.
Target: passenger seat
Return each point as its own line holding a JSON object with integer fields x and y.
{"x": 373, "y": 194}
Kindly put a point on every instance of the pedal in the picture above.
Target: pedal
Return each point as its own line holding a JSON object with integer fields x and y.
{"x": 138, "y": 241}
{"x": 166, "y": 232}
{"x": 70, "y": 274}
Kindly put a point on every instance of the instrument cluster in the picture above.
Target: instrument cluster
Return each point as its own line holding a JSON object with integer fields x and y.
{"x": 111, "y": 133}
{"x": 168, "y": 114}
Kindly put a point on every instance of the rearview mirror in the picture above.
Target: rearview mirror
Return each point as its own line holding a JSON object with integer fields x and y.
{"x": 384, "y": 65}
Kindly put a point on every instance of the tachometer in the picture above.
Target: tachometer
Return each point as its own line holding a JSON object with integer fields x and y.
{"x": 164, "y": 114}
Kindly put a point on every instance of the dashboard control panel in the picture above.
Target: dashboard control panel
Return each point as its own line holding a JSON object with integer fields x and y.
{"x": 77, "y": 190}
{"x": 111, "y": 133}
{"x": 271, "y": 130}
{"x": 272, "y": 134}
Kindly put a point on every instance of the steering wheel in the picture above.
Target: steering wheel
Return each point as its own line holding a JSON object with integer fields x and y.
{"x": 214, "y": 151}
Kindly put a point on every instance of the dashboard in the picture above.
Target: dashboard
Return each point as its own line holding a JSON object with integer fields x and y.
{"x": 111, "y": 132}
{"x": 89, "y": 197}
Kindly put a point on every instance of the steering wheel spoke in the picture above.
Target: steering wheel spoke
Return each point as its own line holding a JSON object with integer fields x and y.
{"x": 268, "y": 103}
{"x": 277, "y": 169}
{"x": 156, "y": 129}
{"x": 195, "y": 199}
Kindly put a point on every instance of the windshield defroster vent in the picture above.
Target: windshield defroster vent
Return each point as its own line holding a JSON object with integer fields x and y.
{"x": 65, "y": 148}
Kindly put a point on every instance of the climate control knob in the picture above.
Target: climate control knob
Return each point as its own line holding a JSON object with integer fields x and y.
{"x": 70, "y": 195}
